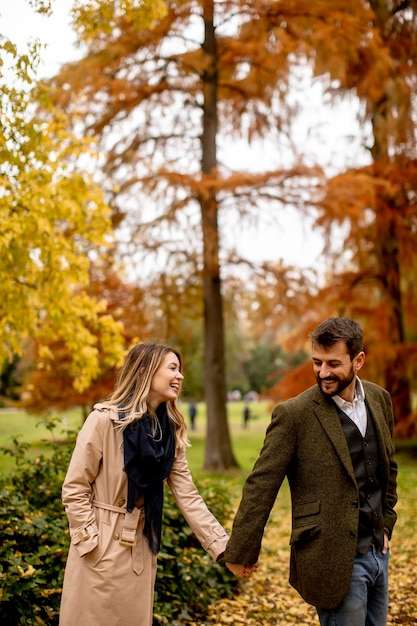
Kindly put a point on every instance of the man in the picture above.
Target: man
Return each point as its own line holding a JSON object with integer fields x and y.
{"x": 334, "y": 443}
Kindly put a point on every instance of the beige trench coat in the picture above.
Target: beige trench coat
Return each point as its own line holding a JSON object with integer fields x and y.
{"x": 110, "y": 572}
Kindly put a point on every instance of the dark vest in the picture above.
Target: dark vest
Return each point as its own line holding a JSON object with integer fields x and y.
{"x": 365, "y": 461}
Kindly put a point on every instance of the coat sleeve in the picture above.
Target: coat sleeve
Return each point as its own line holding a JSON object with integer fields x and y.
{"x": 202, "y": 522}
{"x": 261, "y": 489}
{"x": 77, "y": 487}
{"x": 390, "y": 516}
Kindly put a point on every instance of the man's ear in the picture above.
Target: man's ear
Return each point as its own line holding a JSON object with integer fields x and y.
{"x": 359, "y": 360}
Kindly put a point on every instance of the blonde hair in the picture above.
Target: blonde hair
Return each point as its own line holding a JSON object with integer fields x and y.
{"x": 133, "y": 383}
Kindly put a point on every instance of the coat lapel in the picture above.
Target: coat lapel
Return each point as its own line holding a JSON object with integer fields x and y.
{"x": 327, "y": 415}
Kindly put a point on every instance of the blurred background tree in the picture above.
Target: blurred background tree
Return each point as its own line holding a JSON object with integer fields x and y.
{"x": 369, "y": 50}
{"x": 162, "y": 101}
{"x": 53, "y": 221}
{"x": 181, "y": 109}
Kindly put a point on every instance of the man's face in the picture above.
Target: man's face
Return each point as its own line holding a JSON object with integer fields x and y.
{"x": 335, "y": 371}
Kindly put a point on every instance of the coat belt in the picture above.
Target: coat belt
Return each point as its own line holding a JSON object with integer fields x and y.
{"x": 130, "y": 522}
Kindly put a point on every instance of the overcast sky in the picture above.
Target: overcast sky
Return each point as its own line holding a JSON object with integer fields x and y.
{"x": 19, "y": 23}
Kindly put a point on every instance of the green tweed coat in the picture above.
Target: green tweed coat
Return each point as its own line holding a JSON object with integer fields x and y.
{"x": 306, "y": 443}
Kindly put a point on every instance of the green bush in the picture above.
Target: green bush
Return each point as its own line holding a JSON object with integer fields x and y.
{"x": 188, "y": 581}
{"x": 35, "y": 538}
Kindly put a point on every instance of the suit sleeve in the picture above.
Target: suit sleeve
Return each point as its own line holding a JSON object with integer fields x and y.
{"x": 261, "y": 489}
{"x": 202, "y": 522}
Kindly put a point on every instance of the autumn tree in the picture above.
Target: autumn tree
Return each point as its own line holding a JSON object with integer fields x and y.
{"x": 53, "y": 216}
{"x": 168, "y": 310}
{"x": 54, "y": 222}
{"x": 370, "y": 50}
{"x": 382, "y": 228}
{"x": 163, "y": 101}
{"x": 49, "y": 379}
{"x": 366, "y": 51}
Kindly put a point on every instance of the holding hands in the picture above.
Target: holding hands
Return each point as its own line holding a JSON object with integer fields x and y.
{"x": 242, "y": 571}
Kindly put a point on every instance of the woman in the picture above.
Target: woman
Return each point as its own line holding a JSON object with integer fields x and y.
{"x": 113, "y": 494}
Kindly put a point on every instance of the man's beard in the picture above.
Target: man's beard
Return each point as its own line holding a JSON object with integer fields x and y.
{"x": 342, "y": 383}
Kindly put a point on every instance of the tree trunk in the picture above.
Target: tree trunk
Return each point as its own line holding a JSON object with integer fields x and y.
{"x": 218, "y": 453}
{"x": 396, "y": 378}
{"x": 387, "y": 246}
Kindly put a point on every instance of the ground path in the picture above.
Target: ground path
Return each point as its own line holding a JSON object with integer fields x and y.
{"x": 267, "y": 599}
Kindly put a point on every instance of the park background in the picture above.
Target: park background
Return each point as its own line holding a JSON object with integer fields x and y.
{"x": 217, "y": 175}
{"x": 192, "y": 591}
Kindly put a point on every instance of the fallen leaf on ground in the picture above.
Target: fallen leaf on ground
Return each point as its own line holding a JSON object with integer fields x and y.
{"x": 267, "y": 599}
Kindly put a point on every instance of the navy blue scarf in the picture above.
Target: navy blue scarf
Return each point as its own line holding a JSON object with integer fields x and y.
{"x": 148, "y": 458}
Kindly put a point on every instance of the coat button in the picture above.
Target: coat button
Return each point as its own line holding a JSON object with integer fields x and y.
{"x": 121, "y": 502}
{"x": 117, "y": 536}
{"x": 355, "y": 504}
{"x": 352, "y": 534}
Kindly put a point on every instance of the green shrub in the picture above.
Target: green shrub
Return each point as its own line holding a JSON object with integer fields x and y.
{"x": 35, "y": 538}
{"x": 188, "y": 581}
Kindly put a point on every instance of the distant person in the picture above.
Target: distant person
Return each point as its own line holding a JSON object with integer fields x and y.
{"x": 334, "y": 443}
{"x": 113, "y": 494}
{"x": 246, "y": 416}
{"x": 192, "y": 412}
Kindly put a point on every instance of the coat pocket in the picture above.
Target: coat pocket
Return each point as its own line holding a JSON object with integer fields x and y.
{"x": 306, "y": 521}
{"x": 104, "y": 537}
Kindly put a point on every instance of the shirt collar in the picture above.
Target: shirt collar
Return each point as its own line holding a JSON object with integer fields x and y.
{"x": 359, "y": 395}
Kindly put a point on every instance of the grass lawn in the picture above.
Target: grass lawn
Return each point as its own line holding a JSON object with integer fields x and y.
{"x": 34, "y": 430}
{"x": 246, "y": 443}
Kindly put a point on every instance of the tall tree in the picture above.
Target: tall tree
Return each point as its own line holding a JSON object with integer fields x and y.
{"x": 378, "y": 63}
{"x": 368, "y": 49}
{"x": 218, "y": 449}
{"x": 162, "y": 101}
{"x": 54, "y": 222}
{"x": 53, "y": 216}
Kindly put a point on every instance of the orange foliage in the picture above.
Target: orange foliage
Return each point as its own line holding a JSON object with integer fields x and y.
{"x": 144, "y": 92}
{"x": 295, "y": 381}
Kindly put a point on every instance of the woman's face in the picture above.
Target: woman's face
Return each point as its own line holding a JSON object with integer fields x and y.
{"x": 166, "y": 382}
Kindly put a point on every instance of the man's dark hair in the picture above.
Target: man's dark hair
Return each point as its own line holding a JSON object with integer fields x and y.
{"x": 337, "y": 329}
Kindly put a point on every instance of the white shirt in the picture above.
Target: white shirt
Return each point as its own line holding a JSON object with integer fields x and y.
{"x": 356, "y": 409}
